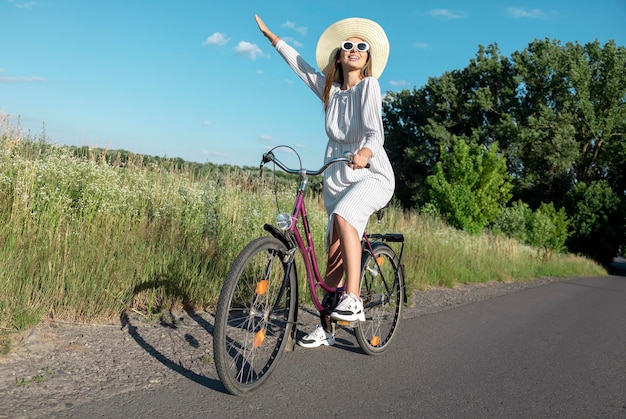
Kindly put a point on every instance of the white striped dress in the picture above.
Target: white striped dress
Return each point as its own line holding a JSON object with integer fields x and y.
{"x": 353, "y": 121}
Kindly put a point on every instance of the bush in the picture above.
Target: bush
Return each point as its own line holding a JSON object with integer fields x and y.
{"x": 513, "y": 221}
{"x": 470, "y": 185}
{"x": 549, "y": 228}
{"x": 544, "y": 228}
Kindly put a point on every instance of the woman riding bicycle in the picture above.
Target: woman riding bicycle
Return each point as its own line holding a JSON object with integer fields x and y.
{"x": 352, "y": 54}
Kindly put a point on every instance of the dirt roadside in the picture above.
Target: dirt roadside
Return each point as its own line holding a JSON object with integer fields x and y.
{"x": 56, "y": 365}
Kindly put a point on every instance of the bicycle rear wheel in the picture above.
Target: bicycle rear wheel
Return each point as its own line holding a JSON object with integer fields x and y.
{"x": 382, "y": 291}
{"x": 255, "y": 315}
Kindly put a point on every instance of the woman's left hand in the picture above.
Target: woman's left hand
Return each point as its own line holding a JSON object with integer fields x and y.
{"x": 361, "y": 158}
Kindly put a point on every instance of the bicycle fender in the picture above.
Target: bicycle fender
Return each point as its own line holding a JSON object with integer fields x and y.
{"x": 400, "y": 264}
{"x": 279, "y": 235}
{"x": 291, "y": 246}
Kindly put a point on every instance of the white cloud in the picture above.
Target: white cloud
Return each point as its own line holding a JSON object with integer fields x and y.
{"x": 206, "y": 123}
{"x": 266, "y": 138}
{"x": 217, "y": 38}
{"x": 397, "y": 83}
{"x": 20, "y": 79}
{"x": 293, "y": 42}
{"x": 213, "y": 153}
{"x": 421, "y": 45}
{"x": 447, "y": 13}
{"x": 520, "y": 12}
{"x": 24, "y": 4}
{"x": 248, "y": 49}
{"x": 302, "y": 30}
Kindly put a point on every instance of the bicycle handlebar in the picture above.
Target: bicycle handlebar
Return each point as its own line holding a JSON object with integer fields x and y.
{"x": 270, "y": 157}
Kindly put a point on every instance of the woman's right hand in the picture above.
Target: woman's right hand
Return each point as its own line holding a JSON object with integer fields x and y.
{"x": 265, "y": 30}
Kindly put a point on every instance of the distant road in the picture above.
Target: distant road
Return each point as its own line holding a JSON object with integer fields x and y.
{"x": 557, "y": 350}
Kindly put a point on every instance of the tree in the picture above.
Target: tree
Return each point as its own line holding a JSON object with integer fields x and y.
{"x": 470, "y": 185}
{"x": 557, "y": 113}
{"x": 575, "y": 97}
{"x": 412, "y": 152}
{"x": 572, "y": 116}
{"x": 598, "y": 220}
{"x": 598, "y": 81}
{"x": 474, "y": 104}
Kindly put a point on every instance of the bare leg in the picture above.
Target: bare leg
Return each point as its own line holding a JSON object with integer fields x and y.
{"x": 350, "y": 245}
{"x": 334, "y": 266}
{"x": 344, "y": 255}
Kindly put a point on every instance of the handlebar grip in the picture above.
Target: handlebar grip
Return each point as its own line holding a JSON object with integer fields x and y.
{"x": 267, "y": 157}
{"x": 349, "y": 155}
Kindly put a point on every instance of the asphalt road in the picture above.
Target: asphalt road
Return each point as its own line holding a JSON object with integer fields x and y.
{"x": 557, "y": 350}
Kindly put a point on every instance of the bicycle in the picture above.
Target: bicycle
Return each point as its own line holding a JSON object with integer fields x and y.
{"x": 256, "y": 315}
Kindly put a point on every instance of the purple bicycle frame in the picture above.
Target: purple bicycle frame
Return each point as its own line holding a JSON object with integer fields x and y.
{"x": 307, "y": 250}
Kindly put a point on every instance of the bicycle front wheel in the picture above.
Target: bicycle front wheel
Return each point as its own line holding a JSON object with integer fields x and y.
{"x": 382, "y": 291}
{"x": 255, "y": 315}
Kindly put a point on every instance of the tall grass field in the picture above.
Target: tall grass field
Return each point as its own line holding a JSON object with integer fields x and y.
{"x": 86, "y": 238}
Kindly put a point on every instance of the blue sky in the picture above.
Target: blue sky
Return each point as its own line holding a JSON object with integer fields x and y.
{"x": 197, "y": 80}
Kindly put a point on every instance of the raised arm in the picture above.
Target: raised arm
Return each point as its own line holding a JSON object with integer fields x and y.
{"x": 266, "y": 31}
{"x": 304, "y": 70}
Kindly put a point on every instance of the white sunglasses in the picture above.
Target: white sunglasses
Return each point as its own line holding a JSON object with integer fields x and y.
{"x": 360, "y": 46}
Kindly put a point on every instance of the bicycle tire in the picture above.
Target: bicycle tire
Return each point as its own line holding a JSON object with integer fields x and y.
{"x": 255, "y": 315}
{"x": 382, "y": 291}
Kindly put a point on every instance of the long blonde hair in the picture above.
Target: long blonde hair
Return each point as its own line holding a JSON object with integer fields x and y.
{"x": 334, "y": 74}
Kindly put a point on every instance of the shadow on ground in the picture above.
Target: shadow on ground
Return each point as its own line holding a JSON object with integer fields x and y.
{"x": 183, "y": 347}
{"x": 180, "y": 352}
{"x": 184, "y": 342}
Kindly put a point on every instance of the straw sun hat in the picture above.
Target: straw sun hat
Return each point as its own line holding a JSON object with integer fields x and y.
{"x": 366, "y": 29}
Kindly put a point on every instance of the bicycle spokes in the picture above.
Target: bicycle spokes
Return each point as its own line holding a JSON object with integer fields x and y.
{"x": 255, "y": 313}
{"x": 381, "y": 292}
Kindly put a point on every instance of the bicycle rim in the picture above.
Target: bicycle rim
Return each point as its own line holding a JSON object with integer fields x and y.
{"x": 382, "y": 293}
{"x": 254, "y": 316}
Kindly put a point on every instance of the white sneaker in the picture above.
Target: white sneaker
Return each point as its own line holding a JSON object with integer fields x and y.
{"x": 317, "y": 337}
{"x": 349, "y": 309}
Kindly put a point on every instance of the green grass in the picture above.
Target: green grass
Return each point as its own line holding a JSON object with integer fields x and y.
{"x": 85, "y": 238}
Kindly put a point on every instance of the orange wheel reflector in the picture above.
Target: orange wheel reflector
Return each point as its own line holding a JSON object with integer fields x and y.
{"x": 380, "y": 260}
{"x": 261, "y": 287}
{"x": 259, "y": 337}
{"x": 375, "y": 341}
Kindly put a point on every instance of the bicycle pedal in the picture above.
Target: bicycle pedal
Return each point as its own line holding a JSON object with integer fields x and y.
{"x": 344, "y": 323}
